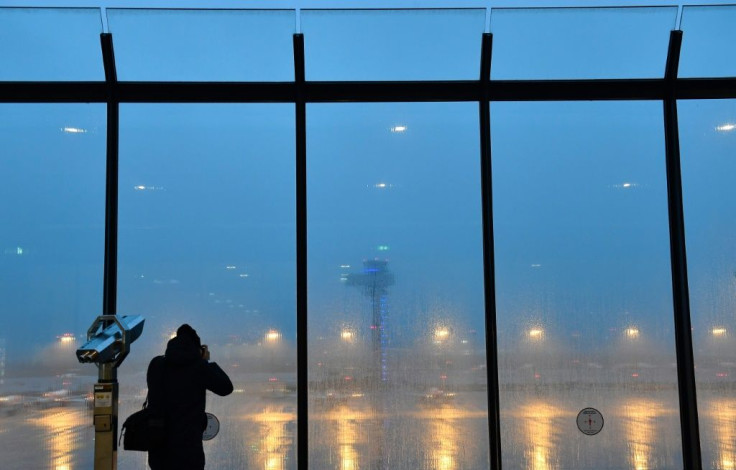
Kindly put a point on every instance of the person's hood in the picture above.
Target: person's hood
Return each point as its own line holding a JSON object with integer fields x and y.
{"x": 181, "y": 351}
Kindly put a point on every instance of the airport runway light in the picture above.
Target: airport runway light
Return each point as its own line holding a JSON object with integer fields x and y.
{"x": 441, "y": 334}
{"x": 66, "y": 338}
{"x": 536, "y": 334}
{"x": 73, "y": 130}
{"x": 632, "y": 332}
{"x": 719, "y": 332}
{"x": 347, "y": 335}
{"x": 273, "y": 336}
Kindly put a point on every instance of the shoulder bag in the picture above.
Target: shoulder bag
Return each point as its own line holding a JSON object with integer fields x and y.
{"x": 144, "y": 430}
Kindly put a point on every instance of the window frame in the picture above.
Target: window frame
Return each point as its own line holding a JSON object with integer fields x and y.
{"x": 668, "y": 90}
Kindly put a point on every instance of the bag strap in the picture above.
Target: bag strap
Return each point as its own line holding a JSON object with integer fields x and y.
{"x": 159, "y": 381}
{"x": 123, "y": 429}
{"x": 162, "y": 383}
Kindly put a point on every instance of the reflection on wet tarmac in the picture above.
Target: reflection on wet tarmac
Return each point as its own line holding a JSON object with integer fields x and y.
{"x": 442, "y": 440}
{"x": 539, "y": 433}
{"x": 346, "y": 429}
{"x": 275, "y": 439}
{"x": 66, "y": 431}
{"x": 722, "y": 413}
{"x": 641, "y": 417}
{"x": 63, "y": 441}
{"x": 405, "y": 434}
{"x": 640, "y": 432}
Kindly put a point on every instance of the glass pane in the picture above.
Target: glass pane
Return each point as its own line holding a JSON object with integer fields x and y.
{"x": 51, "y": 262}
{"x": 560, "y": 43}
{"x": 583, "y": 286}
{"x": 207, "y": 237}
{"x": 397, "y": 351}
{"x": 392, "y": 45}
{"x": 50, "y": 44}
{"x": 203, "y": 45}
{"x": 707, "y": 42}
{"x": 708, "y": 145}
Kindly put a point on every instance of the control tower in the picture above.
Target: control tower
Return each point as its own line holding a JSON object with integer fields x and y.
{"x": 374, "y": 282}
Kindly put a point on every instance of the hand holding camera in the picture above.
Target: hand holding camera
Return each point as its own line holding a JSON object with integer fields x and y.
{"x": 205, "y": 352}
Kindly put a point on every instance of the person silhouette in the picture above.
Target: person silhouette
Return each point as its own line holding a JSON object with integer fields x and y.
{"x": 177, "y": 385}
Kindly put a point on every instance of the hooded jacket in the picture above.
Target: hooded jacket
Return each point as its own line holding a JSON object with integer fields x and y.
{"x": 177, "y": 384}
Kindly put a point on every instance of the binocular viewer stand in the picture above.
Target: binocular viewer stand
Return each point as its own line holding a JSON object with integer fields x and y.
{"x": 108, "y": 343}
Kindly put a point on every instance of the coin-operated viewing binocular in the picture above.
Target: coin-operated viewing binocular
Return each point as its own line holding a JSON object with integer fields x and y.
{"x": 108, "y": 343}
{"x": 109, "y": 339}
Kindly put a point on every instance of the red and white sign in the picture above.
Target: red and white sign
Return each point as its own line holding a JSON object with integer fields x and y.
{"x": 590, "y": 421}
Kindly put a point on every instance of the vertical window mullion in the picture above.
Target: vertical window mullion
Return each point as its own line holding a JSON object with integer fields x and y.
{"x": 681, "y": 298}
{"x": 489, "y": 280}
{"x": 301, "y": 256}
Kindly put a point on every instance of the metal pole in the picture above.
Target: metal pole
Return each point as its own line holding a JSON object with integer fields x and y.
{"x": 301, "y": 258}
{"x": 106, "y": 388}
{"x": 489, "y": 275}
{"x": 109, "y": 299}
{"x": 681, "y": 297}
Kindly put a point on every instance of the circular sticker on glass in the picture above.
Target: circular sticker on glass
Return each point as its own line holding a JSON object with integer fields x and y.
{"x": 213, "y": 427}
{"x": 590, "y": 421}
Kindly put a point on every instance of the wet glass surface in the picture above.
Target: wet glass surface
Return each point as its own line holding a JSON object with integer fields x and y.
{"x": 51, "y": 44}
{"x": 397, "y": 368}
{"x": 538, "y": 432}
{"x": 51, "y": 262}
{"x": 583, "y": 280}
{"x": 584, "y": 43}
{"x": 708, "y": 142}
{"x": 707, "y": 41}
{"x": 439, "y": 44}
{"x": 203, "y": 45}
{"x": 207, "y": 237}
{"x": 395, "y": 276}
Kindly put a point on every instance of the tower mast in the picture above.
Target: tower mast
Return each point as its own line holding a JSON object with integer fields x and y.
{"x": 374, "y": 280}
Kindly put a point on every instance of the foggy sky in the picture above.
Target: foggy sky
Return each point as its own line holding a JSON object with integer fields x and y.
{"x": 207, "y": 192}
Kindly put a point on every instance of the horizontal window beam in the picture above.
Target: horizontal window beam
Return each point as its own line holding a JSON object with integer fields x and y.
{"x": 334, "y": 92}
